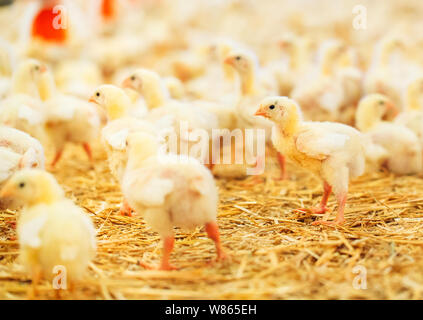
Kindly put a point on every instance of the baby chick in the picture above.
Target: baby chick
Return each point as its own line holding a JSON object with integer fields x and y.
{"x": 330, "y": 150}
{"x": 116, "y": 105}
{"x": 22, "y": 108}
{"x": 412, "y": 116}
{"x": 404, "y": 153}
{"x": 328, "y": 92}
{"x": 256, "y": 83}
{"x": 170, "y": 190}
{"x": 195, "y": 116}
{"x": 52, "y": 230}
{"x": 198, "y": 114}
{"x": 68, "y": 118}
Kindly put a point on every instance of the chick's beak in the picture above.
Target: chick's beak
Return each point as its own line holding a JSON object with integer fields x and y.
{"x": 229, "y": 60}
{"x": 92, "y": 99}
{"x": 261, "y": 112}
{"x": 283, "y": 44}
{"x": 43, "y": 68}
{"x": 7, "y": 191}
{"x": 392, "y": 108}
{"x": 127, "y": 83}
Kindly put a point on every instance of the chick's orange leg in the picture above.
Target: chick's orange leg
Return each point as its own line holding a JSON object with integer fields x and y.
{"x": 87, "y": 149}
{"x": 36, "y": 277}
{"x": 342, "y": 199}
{"x": 168, "y": 244}
{"x": 322, "y": 208}
{"x": 57, "y": 158}
{"x": 212, "y": 230}
{"x": 323, "y": 203}
{"x": 282, "y": 164}
{"x": 125, "y": 209}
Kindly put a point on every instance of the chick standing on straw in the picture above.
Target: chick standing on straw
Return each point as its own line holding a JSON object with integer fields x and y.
{"x": 52, "y": 231}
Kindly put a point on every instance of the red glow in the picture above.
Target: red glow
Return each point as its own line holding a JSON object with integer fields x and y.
{"x": 108, "y": 9}
{"x": 42, "y": 26}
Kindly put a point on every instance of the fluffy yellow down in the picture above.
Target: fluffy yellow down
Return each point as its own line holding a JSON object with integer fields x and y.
{"x": 168, "y": 190}
{"x": 403, "y": 151}
{"x": 52, "y": 230}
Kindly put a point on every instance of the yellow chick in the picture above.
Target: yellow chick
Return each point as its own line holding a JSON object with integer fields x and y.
{"x": 170, "y": 190}
{"x": 117, "y": 106}
{"x": 68, "y": 118}
{"x": 329, "y": 93}
{"x": 391, "y": 69}
{"x": 254, "y": 79}
{"x": 22, "y": 108}
{"x": 255, "y": 85}
{"x": 138, "y": 108}
{"x": 402, "y": 145}
{"x": 199, "y": 113}
{"x": 412, "y": 116}
{"x": 217, "y": 83}
{"x": 296, "y": 60}
{"x": 330, "y": 150}
{"x": 52, "y": 231}
{"x": 195, "y": 116}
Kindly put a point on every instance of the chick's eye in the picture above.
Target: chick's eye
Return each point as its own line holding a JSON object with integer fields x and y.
{"x": 133, "y": 78}
{"x": 22, "y": 185}
{"x": 97, "y": 94}
{"x": 272, "y": 107}
{"x": 238, "y": 58}
{"x": 381, "y": 102}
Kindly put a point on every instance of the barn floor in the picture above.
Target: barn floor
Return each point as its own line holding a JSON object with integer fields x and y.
{"x": 275, "y": 252}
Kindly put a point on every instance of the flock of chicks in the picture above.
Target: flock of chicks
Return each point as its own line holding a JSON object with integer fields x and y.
{"x": 215, "y": 84}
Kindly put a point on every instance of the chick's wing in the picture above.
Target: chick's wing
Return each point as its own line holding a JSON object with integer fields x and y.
{"x": 319, "y": 143}
{"x": 147, "y": 188}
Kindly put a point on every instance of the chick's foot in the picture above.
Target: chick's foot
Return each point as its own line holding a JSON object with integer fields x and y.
{"x": 313, "y": 210}
{"x": 125, "y": 209}
{"x": 336, "y": 222}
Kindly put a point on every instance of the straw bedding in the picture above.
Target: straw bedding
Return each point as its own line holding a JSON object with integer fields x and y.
{"x": 275, "y": 252}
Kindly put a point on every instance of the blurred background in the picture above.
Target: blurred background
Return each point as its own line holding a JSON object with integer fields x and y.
{"x": 178, "y": 24}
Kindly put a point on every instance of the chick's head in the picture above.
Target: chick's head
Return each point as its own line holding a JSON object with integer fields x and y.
{"x": 280, "y": 110}
{"x": 31, "y": 187}
{"x": 242, "y": 61}
{"x": 141, "y": 80}
{"x": 111, "y": 99}
{"x": 33, "y": 69}
{"x": 372, "y": 108}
